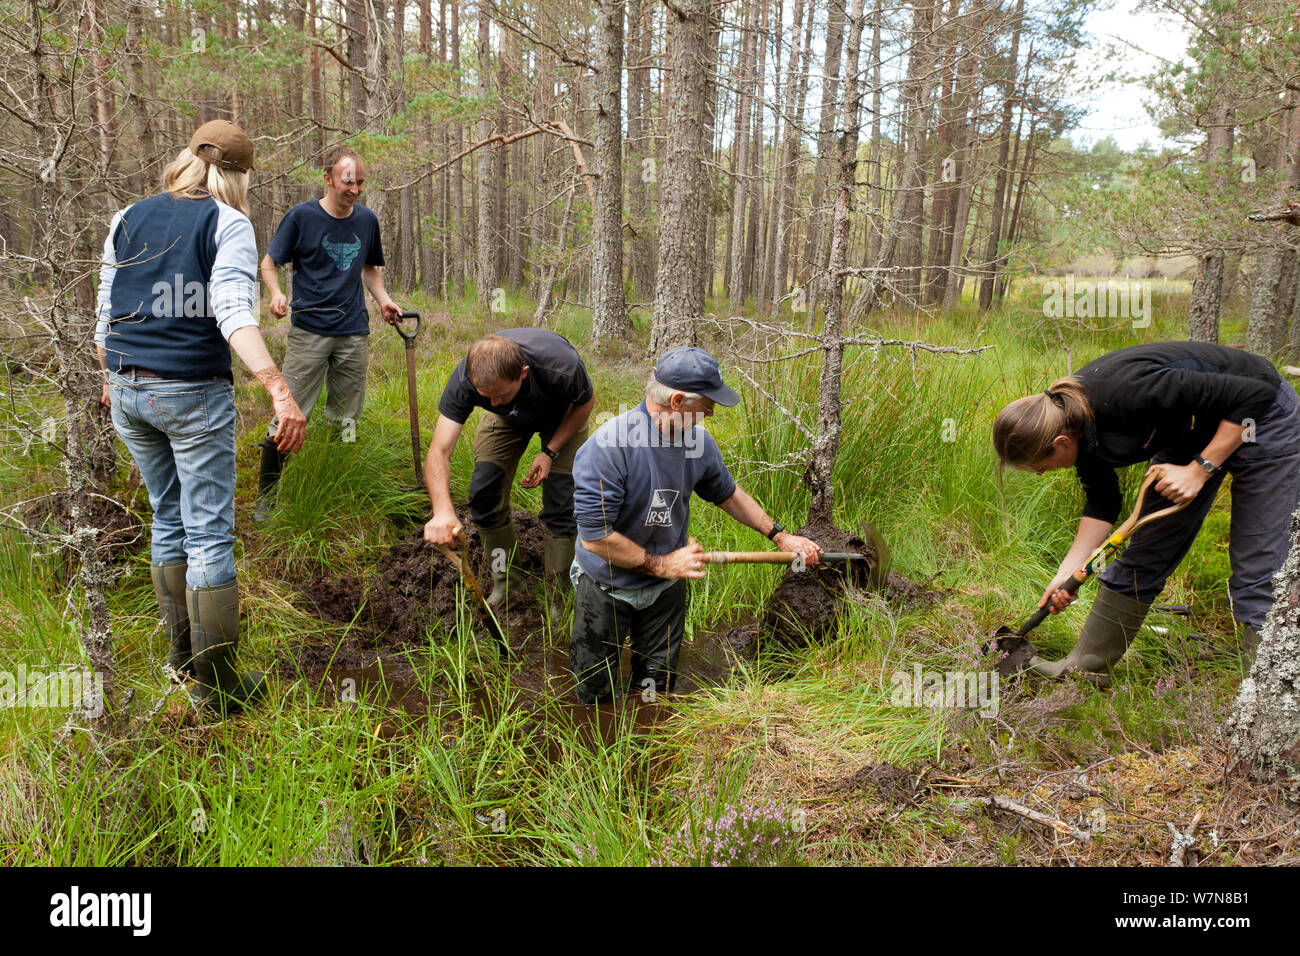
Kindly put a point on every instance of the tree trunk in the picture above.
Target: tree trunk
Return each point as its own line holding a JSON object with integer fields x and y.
{"x": 485, "y": 275}
{"x": 459, "y": 256}
{"x": 1207, "y": 289}
{"x": 1270, "y": 302}
{"x": 1264, "y": 729}
{"x": 735, "y": 265}
{"x": 910, "y": 176}
{"x": 609, "y": 308}
{"x": 641, "y": 173}
{"x": 679, "y": 305}
{"x": 945, "y": 178}
{"x": 753, "y": 244}
{"x": 877, "y": 193}
{"x": 358, "y": 35}
{"x": 821, "y": 471}
{"x": 787, "y": 169}
{"x": 707, "y": 220}
{"x": 991, "y": 257}
{"x": 816, "y": 250}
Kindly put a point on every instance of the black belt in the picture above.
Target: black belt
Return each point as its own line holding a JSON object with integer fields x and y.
{"x": 145, "y": 373}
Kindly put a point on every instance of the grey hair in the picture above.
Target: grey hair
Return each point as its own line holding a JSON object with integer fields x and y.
{"x": 662, "y": 394}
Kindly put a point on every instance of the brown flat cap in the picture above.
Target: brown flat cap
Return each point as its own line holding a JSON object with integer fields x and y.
{"x": 223, "y": 143}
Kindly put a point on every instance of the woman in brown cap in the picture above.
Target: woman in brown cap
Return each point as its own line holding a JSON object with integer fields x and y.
{"x": 177, "y": 293}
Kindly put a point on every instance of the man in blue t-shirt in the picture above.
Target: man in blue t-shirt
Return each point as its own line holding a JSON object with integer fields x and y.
{"x": 336, "y": 252}
{"x": 632, "y": 486}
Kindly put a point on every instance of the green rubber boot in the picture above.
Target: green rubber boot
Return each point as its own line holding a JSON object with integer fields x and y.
{"x": 214, "y": 634}
{"x": 556, "y": 560}
{"x": 1112, "y": 624}
{"x": 499, "y": 546}
{"x": 879, "y": 572}
{"x": 169, "y": 589}
{"x": 268, "y": 477}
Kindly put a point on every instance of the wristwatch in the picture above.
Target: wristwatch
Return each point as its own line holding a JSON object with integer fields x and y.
{"x": 550, "y": 454}
{"x": 776, "y": 529}
{"x": 1209, "y": 466}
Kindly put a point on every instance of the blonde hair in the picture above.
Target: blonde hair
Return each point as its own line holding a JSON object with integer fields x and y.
{"x": 1023, "y": 431}
{"x": 192, "y": 177}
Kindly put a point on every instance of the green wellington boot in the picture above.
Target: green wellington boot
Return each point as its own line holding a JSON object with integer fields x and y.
{"x": 556, "y": 560}
{"x": 214, "y": 634}
{"x": 268, "y": 476}
{"x": 1112, "y": 624}
{"x": 499, "y": 546}
{"x": 169, "y": 589}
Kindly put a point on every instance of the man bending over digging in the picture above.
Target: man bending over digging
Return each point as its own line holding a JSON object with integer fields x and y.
{"x": 632, "y": 489}
{"x": 528, "y": 381}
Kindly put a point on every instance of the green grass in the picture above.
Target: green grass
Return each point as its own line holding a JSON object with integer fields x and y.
{"x": 308, "y": 779}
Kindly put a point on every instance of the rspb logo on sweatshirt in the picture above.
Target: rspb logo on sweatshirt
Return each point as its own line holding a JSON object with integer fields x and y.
{"x": 660, "y": 513}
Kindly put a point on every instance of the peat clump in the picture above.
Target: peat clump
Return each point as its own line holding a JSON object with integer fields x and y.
{"x": 414, "y": 585}
{"x": 803, "y": 608}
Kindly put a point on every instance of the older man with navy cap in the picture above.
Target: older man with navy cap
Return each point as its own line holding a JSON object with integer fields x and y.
{"x": 632, "y": 486}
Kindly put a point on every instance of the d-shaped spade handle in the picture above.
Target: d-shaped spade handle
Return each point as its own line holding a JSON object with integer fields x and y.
{"x": 408, "y": 337}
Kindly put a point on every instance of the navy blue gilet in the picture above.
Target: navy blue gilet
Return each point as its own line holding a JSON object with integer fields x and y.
{"x": 161, "y": 316}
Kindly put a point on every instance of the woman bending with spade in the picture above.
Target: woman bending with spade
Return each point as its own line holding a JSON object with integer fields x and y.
{"x": 1201, "y": 411}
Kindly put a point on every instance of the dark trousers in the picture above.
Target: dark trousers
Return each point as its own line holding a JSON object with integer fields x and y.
{"x": 497, "y": 450}
{"x": 600, "y": 622}
{"x": 1265, "y": 492}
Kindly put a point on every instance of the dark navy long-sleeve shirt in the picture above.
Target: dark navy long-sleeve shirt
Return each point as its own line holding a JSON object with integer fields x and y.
{"x": 1164, "y": 397}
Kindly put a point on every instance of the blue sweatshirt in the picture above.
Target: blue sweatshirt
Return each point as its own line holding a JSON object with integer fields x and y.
{"x": 627, "y": 479}
{"x": 177, "y": 280}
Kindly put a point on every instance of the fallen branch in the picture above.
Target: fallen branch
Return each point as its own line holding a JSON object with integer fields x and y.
{"x": 1003, "y": 803}
{"x": 1184, "y": 841}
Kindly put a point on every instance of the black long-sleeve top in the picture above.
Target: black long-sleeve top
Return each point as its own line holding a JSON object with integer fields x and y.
{"x": 1165, "y": 397}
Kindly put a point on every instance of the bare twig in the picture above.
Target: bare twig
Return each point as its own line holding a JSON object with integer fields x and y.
{"x": 1004, "y": 803}
{"x": 1184, "y": 841}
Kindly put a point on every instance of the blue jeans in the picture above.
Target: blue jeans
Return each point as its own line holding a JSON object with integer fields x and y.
{"x": 182, "y": 437}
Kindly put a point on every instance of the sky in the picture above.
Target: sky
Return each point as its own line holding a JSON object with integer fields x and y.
{"x": 1144, "y": 38}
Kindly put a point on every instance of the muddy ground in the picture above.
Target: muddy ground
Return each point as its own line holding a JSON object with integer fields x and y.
{"x": 414, "y": 587}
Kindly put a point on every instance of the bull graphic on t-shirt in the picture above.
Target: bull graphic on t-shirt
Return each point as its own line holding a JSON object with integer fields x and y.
{"x": 660, "y": 512}
{"x": 343, "y": 253}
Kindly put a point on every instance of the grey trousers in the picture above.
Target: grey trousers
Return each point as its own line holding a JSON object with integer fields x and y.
{"x": 337, "y": 362}
{"x": 1265, "y": 492}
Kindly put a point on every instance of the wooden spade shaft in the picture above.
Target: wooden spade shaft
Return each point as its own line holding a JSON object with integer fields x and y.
{"x": 1103, "y": 553}
{"x": 414, "y": 401}
{"x": 774, "y": 557}
{"x": 458, "y": 558}
{"x": 408, "y": 339}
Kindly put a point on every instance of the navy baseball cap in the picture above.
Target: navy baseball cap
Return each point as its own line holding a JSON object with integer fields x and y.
{"x": 691, "y": 369}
